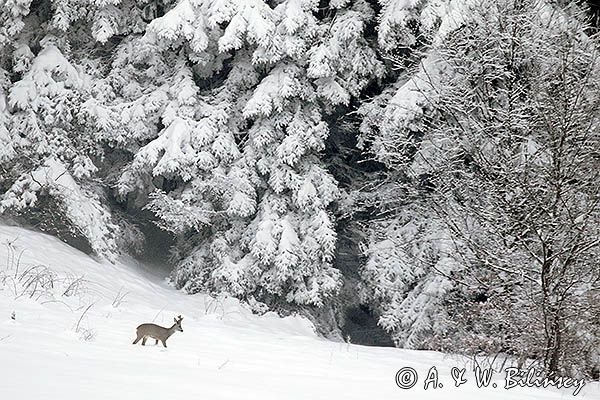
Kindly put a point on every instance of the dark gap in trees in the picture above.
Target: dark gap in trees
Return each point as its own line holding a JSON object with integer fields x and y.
{"x": 360, "y": 326}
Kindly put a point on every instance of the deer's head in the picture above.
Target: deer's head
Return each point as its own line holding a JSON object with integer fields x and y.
{"x": 178, "y": 323}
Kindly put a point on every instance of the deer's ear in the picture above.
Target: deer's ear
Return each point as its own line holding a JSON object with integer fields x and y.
{"x": 175, "y": 319}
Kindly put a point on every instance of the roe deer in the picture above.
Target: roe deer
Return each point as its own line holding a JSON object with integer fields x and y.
{"x": 144, "y": 331}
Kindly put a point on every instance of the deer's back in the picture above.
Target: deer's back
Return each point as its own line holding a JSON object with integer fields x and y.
{"x": 152, "y": 330}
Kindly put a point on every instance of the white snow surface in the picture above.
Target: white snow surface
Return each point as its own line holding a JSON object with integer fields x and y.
{"x": 225, "y": 352}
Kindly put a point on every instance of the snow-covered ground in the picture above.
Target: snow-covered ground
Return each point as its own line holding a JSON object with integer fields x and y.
{"x": 67, "y": 323}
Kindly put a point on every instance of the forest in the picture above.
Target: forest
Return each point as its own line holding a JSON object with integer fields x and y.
{"x": 416, "y": 173}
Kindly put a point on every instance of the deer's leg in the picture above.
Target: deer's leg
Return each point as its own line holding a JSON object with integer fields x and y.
{"x": 144, "y": 341}
{"x": 156, "y": 342}
{"x": 137, "y": 339}
{"x": 164, "y": 342}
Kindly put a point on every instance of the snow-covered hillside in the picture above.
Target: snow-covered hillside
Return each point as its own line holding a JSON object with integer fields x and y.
{"x": 67, "y": 323}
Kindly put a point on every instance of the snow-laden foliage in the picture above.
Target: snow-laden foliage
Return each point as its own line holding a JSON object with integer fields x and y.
{"x": 408, "y": 273}
{"x": 48, "y": 69}
{"x": 82, "y": 207}
{"x": 234, "y": 161}
{"x": 50, "y": 153}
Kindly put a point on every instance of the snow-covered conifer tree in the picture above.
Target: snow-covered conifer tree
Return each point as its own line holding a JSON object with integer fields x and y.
{"x": 241, "y": 154}
{"x": 53, "y": 158}
{"x": 50, "y": 154}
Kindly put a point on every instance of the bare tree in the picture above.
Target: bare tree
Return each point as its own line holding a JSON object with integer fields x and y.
{"x": 513, "y": 147}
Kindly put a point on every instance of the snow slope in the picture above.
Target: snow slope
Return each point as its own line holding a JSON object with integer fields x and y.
{"x": 72, "y": 339}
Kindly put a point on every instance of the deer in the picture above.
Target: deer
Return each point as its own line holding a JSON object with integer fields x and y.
{"x": 144, "y": 331}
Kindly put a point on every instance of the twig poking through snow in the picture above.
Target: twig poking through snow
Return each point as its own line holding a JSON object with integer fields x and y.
{"x": 81, "y": 317}
{"x": 119, "y": 299}
{"x": 158, "y": 313}
{"x": 59, "y": 302}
